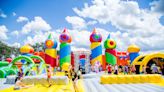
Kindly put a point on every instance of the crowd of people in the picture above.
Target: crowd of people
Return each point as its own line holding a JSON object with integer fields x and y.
{"x": 131, "y": 69}
{"x": 75, "y": 75}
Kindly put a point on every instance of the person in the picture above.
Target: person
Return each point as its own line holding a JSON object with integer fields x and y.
{"x": 116, "y": 69}
{"x": 79, "y": 73}
{"x": 89, "y": 69}
{"x": 38, "y": 70}
{"x": 55, "y": 70}
{"x": 126, "y": 71}
{"x": 154, "y": 69}
{"x": 49, "y": 72}
{"x": 20, "y": 73}
{"x": 162, "y": 70}
{"x": 97, "y": 66}
{"x": 133, "y": 69}
{"x": 19, "y": 84}
{"x": 143, "y": 69}
{"x": 58, "y": 69}
{"x": 73, "y": 75}
{"x": 109, "y": 69}
{"x": 101, "y": 68}
{"x": 120, "y": 69}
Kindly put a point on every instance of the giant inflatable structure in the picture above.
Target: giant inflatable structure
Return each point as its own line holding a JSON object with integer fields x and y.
{"x": 65, "y": 50}
{"x": 96, "y": 48}
{"x": 110, "y": 52}
{"x": 50, "y": 51}
{"x": 92, "y": 82}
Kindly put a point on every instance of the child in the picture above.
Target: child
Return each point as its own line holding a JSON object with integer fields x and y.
{"x": 49, "y": 76}
{"x": 79, "y": 73}
{"x": 20, "y": 73}
{"x": 109, "y": 68}
{"x": 19, "y": 85}
{"x": 116, "y": 69}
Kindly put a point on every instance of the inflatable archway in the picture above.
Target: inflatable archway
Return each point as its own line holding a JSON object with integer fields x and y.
{"x": 27, "y": 59}
{"x": 9, "y": 70}
{"x": 145, "y": 59}
{"x": 42, "y": 65}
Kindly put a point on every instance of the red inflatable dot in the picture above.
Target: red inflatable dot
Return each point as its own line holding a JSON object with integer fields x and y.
{"x": 111, "y": 42}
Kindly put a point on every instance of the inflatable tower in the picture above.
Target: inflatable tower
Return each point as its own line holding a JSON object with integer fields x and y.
{"x": 65, "y": 50}
{"x": 133, "y": 51}
{"x": 110, "y": 52}
{"x": 96, "y": 48}
{"x": 50, "y": 51}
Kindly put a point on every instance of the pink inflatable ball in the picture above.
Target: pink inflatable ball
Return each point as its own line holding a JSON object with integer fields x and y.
{"x": 95, "y": 36}
{"x": 65, "y": 37}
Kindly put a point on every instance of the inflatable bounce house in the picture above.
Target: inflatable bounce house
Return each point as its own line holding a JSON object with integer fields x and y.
{"x": 35, "y": 66}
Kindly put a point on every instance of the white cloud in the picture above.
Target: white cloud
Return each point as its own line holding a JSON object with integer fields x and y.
{"x": 38, "y": 24}
{"x": 135, "y": 25}
{"x": 77, "y": 22}
{"x": 15, "y": 33}
{"x": 41, "y": 37}
{"x": 91, "y": 22}
{"x": 3, "y": 15}
{"x": 14, "y": 14}
{"x": 3, "y": 32}
{"x": 22, "y": 19}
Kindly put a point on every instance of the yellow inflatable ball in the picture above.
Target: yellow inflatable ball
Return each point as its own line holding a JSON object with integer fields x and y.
{"x": 65, "y": 67}
{"x": 26, "y": 49}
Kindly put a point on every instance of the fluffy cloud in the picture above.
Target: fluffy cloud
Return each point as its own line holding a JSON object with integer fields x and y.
{"x": 77, "y": 22}
{"x": 135, "y": 25}
{"x": 38, "y": 24}
{"x": 2, "y": 14}
{"x": 22, "y": 19}
{"x": 15, "y": 33}
{"x": 3, "y": 32}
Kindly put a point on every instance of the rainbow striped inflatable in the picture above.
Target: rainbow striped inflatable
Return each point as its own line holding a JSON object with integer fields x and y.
{"x": 96, "y": 48}
{"x": 65, "y": 50}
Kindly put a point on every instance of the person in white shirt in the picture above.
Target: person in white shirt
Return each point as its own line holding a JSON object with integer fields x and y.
{"x": 116, "y": 69}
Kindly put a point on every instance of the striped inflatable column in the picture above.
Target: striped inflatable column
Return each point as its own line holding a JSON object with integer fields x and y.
{"x": 96, "y": 48}
{"x": 65, "y": 50}
{"x": 50, "y": 51}
{"x": 110, "y": 52}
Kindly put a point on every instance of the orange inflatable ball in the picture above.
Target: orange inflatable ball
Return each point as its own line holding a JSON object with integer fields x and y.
{"x": 49, "y": 43}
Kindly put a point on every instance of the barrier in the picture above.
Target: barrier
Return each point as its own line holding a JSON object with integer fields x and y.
{"x": 54, "y": 80}
{"x": 125, "y": 79}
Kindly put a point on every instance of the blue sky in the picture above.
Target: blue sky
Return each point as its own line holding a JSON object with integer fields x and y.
{"x": 74, "y": 15}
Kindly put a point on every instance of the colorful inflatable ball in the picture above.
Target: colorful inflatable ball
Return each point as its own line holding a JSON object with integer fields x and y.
{"x": 65, "y": 37}
{"x": 110, "y": 44}
{"x": 26, "y": 49}
{"x": 95, "y": 36}
{"x": 49, "y": 43}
